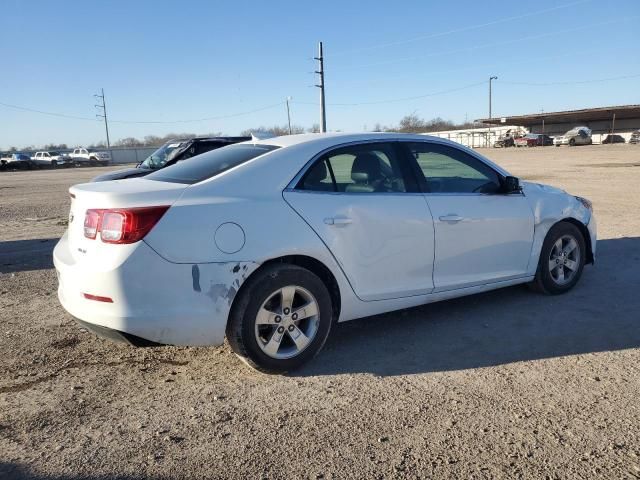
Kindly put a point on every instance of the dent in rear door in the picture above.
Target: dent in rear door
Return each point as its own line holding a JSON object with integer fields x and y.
{"x": 386, "y": 246}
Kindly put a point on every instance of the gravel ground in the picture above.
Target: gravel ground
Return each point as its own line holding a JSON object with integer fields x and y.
{"x": 508, "y": 384}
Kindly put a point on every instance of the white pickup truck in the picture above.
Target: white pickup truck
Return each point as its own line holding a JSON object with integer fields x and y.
{"x": 51, "y": 159}
{"x": 84, "y": 156}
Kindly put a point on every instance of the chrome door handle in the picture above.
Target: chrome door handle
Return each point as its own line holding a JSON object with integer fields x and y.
{"x": 451, "y": 218}
{"x": 337, "y": 221}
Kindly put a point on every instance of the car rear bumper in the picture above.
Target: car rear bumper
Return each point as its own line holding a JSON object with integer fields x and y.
{"x": 151, "y": 300}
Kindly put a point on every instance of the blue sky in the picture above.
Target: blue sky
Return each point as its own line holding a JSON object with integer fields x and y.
{"x": 167, "y": 61}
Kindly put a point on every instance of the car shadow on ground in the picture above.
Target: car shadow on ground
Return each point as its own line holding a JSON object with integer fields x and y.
{"x": 602, "y": 313}
{"x": 24, "y": 255}
{"x": 14, "y": 471}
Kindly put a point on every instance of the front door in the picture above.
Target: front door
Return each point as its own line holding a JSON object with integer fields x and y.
{"x": 363, "y": 202}
{"x": 481, "y": 235}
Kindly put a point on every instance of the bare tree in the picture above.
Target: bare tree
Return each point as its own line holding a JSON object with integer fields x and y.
{"x": 276, "y": 130}
{"x": 414, "y": 124}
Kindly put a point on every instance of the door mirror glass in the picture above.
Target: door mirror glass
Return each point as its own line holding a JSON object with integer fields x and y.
{"x": 512, "y": 185}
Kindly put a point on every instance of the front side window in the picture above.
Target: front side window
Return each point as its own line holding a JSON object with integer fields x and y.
{"x": 367, "y": 168}
{"x": 449, "y": 170}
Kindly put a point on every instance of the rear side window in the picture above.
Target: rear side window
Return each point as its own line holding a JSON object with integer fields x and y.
{"x": 210, "y": 164}
{"x": 365, "y": 168}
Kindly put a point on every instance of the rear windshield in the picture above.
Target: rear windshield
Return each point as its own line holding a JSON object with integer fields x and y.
{"x": 210, "y": 164}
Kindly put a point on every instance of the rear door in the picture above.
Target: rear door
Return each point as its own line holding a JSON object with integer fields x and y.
{"x": 363, "y": 202}
{"x": 481, "y": 235}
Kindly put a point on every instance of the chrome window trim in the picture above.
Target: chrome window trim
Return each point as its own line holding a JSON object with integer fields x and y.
{"x": 291, "y": 186}
{"x": 360, "y": 194}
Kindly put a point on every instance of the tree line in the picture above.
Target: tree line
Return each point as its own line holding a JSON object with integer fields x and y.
{"x": 408, "y": 124}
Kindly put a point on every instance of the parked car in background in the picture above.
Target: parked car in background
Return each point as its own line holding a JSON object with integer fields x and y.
{"x": 17, "y": 160}
{"x": 4, "y": 159}
{"x": 508, "y": 139}
{"x": 613, "y": 139}
{"x": 83, "y": 156}
{"x": 534, "y": 140}
{"x": 635, "y": 137}
{"x": 51, "y": 159}
{"x": 575, "y": 136}
{"x": 270, "y": 243}
{"x": 171, "y": 153}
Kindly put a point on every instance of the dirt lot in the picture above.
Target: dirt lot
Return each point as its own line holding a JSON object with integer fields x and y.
{"x": 508, "y": 384}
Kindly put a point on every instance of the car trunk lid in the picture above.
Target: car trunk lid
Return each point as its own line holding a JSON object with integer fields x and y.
{"x": 119, "y": 194}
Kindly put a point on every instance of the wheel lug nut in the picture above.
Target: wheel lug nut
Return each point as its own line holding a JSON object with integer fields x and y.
{"x": 291, "y": 327}
{"x": 294, "y": 316}
{"x": 280, "y": 329}
{"x": 278, "y": 319}
{"x": 286, "y": 311}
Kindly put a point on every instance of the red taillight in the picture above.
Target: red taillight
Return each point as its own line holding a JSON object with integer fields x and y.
{"x": 92, "y": 223}
{"x": 122, "y": 225}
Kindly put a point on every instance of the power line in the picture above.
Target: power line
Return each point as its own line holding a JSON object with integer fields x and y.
{"x": 393, "y": 100}
{"x": 379, "y": 102}
{"x": 490, "y": 45}
{"x": 495, "y": 66}
{"x": 575, "y": 82}
{"x": 76, "y": 117}
{"x": 219, "y": 117}
{"x": 443, "y": 92}
{"x": 461, "y": 30}
{"x": 53, "y": 114}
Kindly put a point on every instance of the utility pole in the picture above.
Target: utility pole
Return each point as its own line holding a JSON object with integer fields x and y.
{"x": 103, "y": 106}
{"x": 320, "y": 71}
{"x": 289, "y": 114}
{"x": 613, "y": 126}
{"x": 490, "y": 117}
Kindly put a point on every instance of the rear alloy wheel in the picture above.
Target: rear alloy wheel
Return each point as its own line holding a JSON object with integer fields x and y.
{"x": 281, "y": 318}
{"x": 561, "y": 259}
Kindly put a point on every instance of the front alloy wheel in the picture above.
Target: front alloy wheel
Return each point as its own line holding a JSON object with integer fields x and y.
{"x": 564, "y": 260}
{"x": 561, "y": 259}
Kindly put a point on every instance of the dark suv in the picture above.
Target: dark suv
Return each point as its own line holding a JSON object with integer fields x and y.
{"x": 169, "y": 154}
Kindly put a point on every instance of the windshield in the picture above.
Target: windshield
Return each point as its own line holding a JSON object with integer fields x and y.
{"x": 160, "y": 157}
{"x": 210, "y": 164}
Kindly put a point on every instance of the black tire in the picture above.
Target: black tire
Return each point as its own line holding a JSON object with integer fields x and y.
{"x": 54, "y": 164}
{"x": 572, "y": 143}
{"x": 544, "y": 282}
{"x": 241, "y": 327}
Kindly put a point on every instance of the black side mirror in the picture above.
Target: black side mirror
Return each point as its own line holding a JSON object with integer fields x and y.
{"x": 512, "y": 185}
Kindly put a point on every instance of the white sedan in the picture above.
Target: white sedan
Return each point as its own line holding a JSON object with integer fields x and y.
{"x": 270, "y": 242}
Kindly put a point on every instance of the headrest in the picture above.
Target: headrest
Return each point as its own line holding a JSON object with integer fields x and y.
{"x": 366, "y": 163}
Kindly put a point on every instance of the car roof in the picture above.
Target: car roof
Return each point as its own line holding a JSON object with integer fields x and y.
{"x": 337, "y": 138}
{"x": 310, "y": 144}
